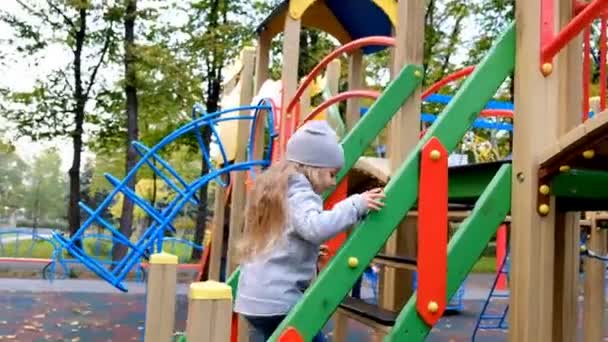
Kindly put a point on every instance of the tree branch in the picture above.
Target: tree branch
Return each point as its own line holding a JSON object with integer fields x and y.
{"x": 39, "y": 14}
{"x": 104, "y": 50}
{"x": 452, "y": 41}
{"x": 58, "y": 10}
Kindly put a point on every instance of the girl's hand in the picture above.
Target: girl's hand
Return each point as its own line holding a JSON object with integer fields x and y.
{"x": 373, "y": 198}
{"x": 323, "y": 251}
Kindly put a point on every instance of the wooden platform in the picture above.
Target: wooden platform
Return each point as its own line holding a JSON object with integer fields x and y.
{"x": 583, "y": 147}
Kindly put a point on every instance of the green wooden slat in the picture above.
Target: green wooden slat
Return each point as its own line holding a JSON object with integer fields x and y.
{"x": 369, "y": 127}
{"x": 334, "y": 282}
{"x": 464, "y": 249}
{"x": 577, "y": 190}
{"x": 581, "y": 184}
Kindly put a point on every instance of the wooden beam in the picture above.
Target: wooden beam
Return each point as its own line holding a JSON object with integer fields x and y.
{"x": 355, "y": 81}
{"x": 533, "y": 235}
{"x": 593, "y": 305}
{"x": 262, "y": 60}
{"x": 403, "y": 136}
{"x": 567, "y": 230}
{"x": 289, "y": 76}
{"x": 237, "y": 205}
{"x": 217, "y": 234}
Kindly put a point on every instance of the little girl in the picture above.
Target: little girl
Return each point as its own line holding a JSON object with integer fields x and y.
{"x": 285, "y": 224}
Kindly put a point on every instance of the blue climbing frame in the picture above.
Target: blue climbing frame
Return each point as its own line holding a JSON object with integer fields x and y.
{"x": 185, "y": 192}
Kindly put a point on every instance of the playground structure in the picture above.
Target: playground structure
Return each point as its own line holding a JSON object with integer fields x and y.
{"x": 543, "y": 188}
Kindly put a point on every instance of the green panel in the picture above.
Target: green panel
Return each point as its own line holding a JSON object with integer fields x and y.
{"x": 577, "y": 190}
{"x": 369, "y": 127}
{"x": 465, "y": 247}
{"x": 334, "y": 282}
{"x": 466, "y": 183}
{"x": 581, "y": 184}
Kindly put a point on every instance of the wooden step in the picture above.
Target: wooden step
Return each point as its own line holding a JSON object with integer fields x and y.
{"x": 395, "y": 261}
{"x": 369, "y": 311}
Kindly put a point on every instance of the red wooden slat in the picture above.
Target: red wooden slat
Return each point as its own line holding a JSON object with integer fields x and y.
{"x": 432, "y": 232}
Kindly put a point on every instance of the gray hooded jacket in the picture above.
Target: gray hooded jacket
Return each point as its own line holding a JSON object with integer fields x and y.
{"x": 273, "y": 283}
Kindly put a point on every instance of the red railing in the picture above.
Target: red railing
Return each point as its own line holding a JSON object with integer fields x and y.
{"x": 370, "y": 94}
{"x": 352, "y": 46}
{"x": 551, "y": 44}
{"x": 449, "y": 78}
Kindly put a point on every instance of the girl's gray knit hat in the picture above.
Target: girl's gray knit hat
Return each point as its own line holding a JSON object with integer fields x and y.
{"x": 315, "y": 144}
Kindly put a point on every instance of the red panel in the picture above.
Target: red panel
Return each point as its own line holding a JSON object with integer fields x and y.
{"x": 334, "y": 244}
{"x": 291, "y": 335}
{"x": 432, "y": 232}
{"x": 234, "y": 331}
{"x": 501, "y": 251}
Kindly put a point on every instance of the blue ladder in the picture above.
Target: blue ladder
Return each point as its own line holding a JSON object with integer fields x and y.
{"x": 497, "y": 321}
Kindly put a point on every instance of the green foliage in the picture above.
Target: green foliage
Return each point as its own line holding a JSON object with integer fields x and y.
{"x": 12, "y": 179}
{"x": 45, "y": 195}
{"x": 49, "y": 108}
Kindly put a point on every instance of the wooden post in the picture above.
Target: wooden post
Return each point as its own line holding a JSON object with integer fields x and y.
{"x": 209, "y": 312}
{"x": 533, "y": 235}
{"x": 237, "y": 205}
{"x": 593, "y": 305}
{"x": 160, "y": 298}
{"x": 238, "y": 196}
{"x": 217, "y": 234}
{"x": 289, "y": 76}
{"x": 567, "y": 225}
{"x": 355, "y": 81}
{"x": 261, "y": 60}
{"x": 403, "y": 136}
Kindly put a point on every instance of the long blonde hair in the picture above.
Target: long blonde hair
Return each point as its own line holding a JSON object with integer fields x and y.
{"x": 266, "y": 210}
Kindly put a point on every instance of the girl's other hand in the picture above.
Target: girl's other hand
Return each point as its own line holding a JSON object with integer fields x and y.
{"x": 374, "y": 198}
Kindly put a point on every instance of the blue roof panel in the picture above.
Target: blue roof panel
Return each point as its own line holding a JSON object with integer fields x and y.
{"x": 361, "y": 18}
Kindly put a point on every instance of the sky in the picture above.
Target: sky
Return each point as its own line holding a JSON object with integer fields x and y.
{"x": 21, "y": 75}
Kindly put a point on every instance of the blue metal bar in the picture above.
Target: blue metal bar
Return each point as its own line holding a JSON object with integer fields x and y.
{"x": 141, "y": 149}
{"x": 445, "y": 99}
{"x": 141, "y": 203}
{"x": 271, "y": 132}
{"x": 107, "y": 225}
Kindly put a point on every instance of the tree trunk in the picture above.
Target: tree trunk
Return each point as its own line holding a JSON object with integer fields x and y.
{"x": 126, "y": 218}
{"x": 79, "y": 96}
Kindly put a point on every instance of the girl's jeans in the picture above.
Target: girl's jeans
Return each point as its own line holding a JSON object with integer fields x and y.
{"x": 262, "y": 327}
